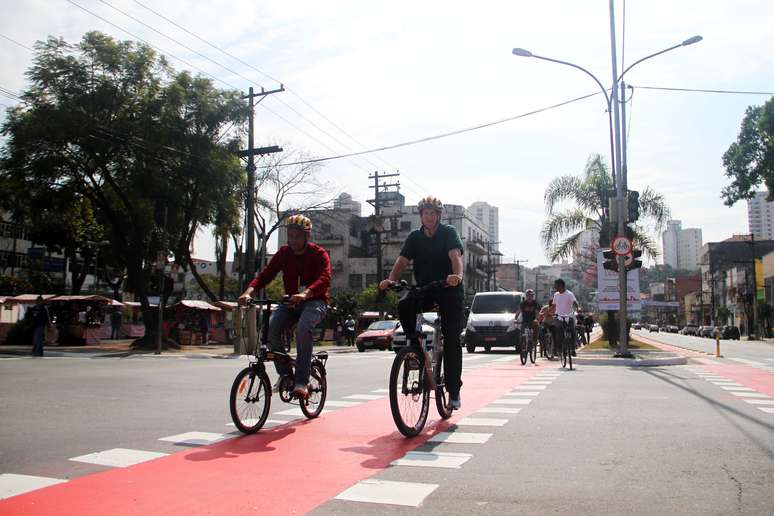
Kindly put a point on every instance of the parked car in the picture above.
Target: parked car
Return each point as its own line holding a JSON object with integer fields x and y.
{"x": 689, "y": 329}
{"x": 492, "y": 321}
{"x": 707, "y": 331}
{"x": 730, "y": 332}
{"x": 671, "y": 328}
{"x": 636, "y": 326}
{"x": 653, "y": 327}
{"x": 399, "y": 337}
{"x": 379, "y": 334}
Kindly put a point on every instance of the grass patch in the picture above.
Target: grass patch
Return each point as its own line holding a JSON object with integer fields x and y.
{"x": 603, "y": 345}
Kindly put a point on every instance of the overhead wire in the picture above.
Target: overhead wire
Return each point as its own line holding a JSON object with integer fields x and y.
{"x": 698, "y": 90}
{"x": 16, "y": 42}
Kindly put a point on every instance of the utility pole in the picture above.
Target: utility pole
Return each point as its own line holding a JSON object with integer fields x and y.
{"x": 378, "y": 226}
{"x": 623, "y": 349}
{"x": 250, "y": 153}
{"x": 518, "y": 270}
{"x": 753, "y": 320}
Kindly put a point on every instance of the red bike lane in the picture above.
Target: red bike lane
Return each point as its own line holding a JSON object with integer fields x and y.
{"x": 289, "y": 469}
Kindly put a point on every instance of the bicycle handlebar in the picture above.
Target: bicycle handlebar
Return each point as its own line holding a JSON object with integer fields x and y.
{"x": 402, "y": 285}
{"x": 256, "y": 302}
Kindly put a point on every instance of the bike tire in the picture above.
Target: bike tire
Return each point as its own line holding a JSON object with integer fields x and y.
{"x": 406, "y": 359}
{"x": 565, "y": 351}
{"x": 523, "y": 350}
{"x": 533, "y": 350}
{"x": 569, "y": 360}
{"x": 247, "y": 380}
{"x": 550, "y": 345}
{"x": 442, "y": 397}
{"x": 313, "y": 405}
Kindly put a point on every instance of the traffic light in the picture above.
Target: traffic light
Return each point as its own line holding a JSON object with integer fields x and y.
{"x": 633, "y": 203}
{"x": 635, "y": 263}
{"x": 611, "y": 260}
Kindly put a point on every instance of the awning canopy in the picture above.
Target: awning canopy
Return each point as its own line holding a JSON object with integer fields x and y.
{"x": 197, "y": 305}
{"x": 227, "y": 305}
{"x": 28, "y": 298}
{"x": 98, "y": 299}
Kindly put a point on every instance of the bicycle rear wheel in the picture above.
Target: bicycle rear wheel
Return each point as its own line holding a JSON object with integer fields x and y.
{"x": 565, "y": 350}
{"x": 549, "y": 345}
{"x": 442, "y": 397}
{"x": 312, "y": 406}
{"x": 250, "y": 400}
{"x": 409, "y": 395}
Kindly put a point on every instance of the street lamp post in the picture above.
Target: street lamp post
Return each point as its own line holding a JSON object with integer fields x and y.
{"x": 618, "y": 163}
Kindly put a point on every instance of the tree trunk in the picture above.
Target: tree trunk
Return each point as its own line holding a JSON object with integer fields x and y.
{"x": 222, "y": 266}
{"x": 199, "y": 280}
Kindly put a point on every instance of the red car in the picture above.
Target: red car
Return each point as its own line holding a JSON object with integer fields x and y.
{"x": 377, "y": 335}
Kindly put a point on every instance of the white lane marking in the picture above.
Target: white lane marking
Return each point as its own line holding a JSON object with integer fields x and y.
{"x": 250, "y": 422}
{"x": 498, "y": 410}
{"x": 409, "y": 494}
{"x": 504, "y": 359}
{"x": 366, "y": 397}
{"x": 196, "y": 438}
{"x": 522, "y": 393}
{"x": 538, "y": 382}
{"x": 524, "y": 387}
{"x": 727, "y": 383}
{"x": 296, "y": 411}
{"x": 515, "y": 401}
{"x": 734, "y": 388}
{"x": 118, "y": 457}
{"x": 433, "y": 460}
{"x": 749, "y": 394}
{"x": 12, "y": 484}
{"x": 760, "y": 402}
{"x": 768, "y": 410}
{"x": 481, "y": 421}
{"x": 748, "y": 362}
{"x": 770, "y": 359}
{"x": 460, "y": 437}
{"x": 342, "y": 404}
{"x": 381, "y": 391}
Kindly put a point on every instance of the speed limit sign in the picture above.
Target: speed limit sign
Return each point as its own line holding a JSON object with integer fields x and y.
{"x": 622, "y": 246}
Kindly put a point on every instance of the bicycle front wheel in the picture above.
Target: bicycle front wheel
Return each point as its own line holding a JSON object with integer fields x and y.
{"x": 250, "y": 400}
{"x": 312, "y": 406}
{"x": 533, "y": 350}
{"x": 442, "y": 398}
{"x": 549, "y": 346}
{"x": 523, "y": 350}
{"x": 409, "y": 395}
{"x": 565, "y": 351}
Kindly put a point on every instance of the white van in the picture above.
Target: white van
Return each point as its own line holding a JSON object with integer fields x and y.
{"x": 492, "y": 321}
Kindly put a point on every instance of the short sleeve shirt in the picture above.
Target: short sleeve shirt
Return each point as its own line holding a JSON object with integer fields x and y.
{"x": 564, "y": 303}
{"x": 529, "y": 311}
{"x": 430, "y": 255}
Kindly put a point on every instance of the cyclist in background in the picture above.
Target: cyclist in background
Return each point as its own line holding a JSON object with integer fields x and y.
{"x": 306, "y": 276}
{"x": 565, "y": 305}
{"x": 529, "y": 310}
{"x": 436, "y": 252}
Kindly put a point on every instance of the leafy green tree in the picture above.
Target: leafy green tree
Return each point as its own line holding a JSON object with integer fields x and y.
{"x": 749, "y": 161}
{"x": 112, "y": 122}
{"x": 371, "y": 299}
{"x": 588, "y": 195}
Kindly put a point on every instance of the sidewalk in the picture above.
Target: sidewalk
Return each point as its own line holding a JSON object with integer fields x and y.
{"x": 122, "y": 348}
{"x": 642, "y": 357}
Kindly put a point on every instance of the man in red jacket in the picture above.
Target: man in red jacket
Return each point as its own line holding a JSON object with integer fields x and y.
{"x": 306, "y": 275}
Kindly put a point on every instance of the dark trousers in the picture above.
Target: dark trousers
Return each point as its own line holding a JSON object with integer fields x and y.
{"x": 450, "y": 310}
{"x": 38, "y": 338}
{"x": 115, "y": 332}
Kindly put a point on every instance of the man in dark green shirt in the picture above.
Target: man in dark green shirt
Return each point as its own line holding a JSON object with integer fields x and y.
{"x": 436, "y": 252}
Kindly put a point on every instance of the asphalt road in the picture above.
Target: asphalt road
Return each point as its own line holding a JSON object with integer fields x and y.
{"x": 597, "y": 440}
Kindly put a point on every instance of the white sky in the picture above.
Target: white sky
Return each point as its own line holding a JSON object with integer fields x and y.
{"x": 394, "y": 71}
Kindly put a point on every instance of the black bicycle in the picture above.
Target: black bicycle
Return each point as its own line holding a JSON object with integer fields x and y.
{"x": 528, "y": 344}
{"x": 250, "y": 398}
{"x": 547, "y": 344}
{"x": 567, "y": 338}
{"x": 417, "y": 371}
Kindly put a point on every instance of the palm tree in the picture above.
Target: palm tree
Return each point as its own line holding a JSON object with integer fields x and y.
{"x": 588, "y": 195}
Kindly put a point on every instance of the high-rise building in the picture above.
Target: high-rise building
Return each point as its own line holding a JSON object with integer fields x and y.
{"x": 760, "y": 214}
{"x": 681, "y": 247}
{"x": 489, "y": 216}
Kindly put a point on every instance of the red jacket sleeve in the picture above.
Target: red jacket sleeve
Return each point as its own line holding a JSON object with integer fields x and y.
{"x": 320, "y": 286}
{"x": 271, "y": 270}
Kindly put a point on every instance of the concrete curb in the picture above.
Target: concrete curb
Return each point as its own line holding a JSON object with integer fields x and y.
{"x": 632, "y": 362}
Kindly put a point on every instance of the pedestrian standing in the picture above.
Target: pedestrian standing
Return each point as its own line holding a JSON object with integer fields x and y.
{"x": 115, "y": 324}
{"x": 40, "y": 320}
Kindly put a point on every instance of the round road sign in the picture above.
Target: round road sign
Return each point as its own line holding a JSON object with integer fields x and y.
{"x": 622, "y": 246}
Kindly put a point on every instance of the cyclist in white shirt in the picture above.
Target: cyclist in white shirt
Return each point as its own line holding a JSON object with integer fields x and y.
{"x": 565, "y": 305}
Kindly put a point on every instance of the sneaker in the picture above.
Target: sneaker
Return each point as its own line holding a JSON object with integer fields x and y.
{"x": 299, "y": 391}
{"x": 573, "y": 353}
{"x": 455, "y": 403}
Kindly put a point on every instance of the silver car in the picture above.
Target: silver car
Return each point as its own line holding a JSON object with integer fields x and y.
{"x": 428, "y": 319}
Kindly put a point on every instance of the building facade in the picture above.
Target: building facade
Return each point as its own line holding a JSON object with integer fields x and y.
{"x": 760, "y": 215}
{"x": 682, "y": 247}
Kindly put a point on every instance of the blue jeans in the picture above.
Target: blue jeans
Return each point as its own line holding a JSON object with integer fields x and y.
{"x": 305, "y": 316}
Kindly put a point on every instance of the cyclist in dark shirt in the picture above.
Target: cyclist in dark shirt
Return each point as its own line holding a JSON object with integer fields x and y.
{"x": 529, "y": 309}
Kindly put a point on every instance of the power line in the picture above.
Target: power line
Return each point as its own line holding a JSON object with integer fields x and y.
{"x": 14, "y": 41}
{"x": 732, "y": 92}
{"x": 446, "y": 134}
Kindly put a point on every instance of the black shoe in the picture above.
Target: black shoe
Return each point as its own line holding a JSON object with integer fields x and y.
{"x": 455, "y": 402}
{"x": 573, "y": 353}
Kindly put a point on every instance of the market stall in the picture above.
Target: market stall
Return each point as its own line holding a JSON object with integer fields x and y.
{"x": 196, "y": 323}
{"x": 14, "y": 308}
{"x": 81, "y": 319}
{"x": 133, "y": 325}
